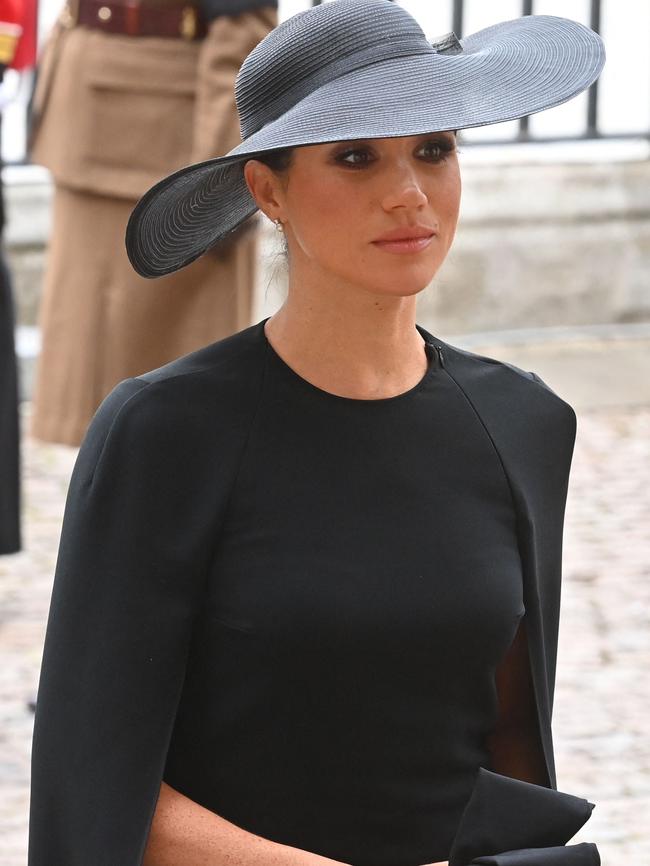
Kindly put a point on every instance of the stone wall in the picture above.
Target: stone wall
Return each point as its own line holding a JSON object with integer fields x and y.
{"x": 539, "y": 246}
{"x": 547, "y": 245}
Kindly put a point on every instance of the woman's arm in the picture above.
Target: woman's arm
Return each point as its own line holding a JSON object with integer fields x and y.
{"x": 514, "y": 744}
{"x": 183, "y": 833}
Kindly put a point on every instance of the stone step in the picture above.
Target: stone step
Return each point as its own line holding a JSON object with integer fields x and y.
{"x": 591, "y": 367}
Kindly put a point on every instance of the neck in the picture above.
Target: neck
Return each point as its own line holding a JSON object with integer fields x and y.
{"x": 362, "y": 345}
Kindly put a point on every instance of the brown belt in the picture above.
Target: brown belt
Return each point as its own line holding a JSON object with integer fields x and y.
{"x": 133, "y": 18}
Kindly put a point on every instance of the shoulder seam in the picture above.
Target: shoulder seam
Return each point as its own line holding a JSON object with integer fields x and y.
{"x": 219, "y": 532}
{"x": 114, "y": 419}
{"x": 172, "y": 377}
{"x": 244, "y": 448}
{"x": 492, "y": 442}
{"x": 486, "y": 359}
{"x": 194, "y": 372}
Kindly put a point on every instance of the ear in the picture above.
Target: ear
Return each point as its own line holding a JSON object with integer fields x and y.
{"x": 265, "y": 187}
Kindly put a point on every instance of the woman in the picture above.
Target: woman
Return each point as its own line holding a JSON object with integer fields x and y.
{"x": 302, "y": 570}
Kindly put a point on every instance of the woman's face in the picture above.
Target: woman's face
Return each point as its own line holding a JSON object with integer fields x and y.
{"x": 339, "y": 201}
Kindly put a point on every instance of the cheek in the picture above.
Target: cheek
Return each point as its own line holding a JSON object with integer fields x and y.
{"x": 444, "y": 195}
{"x": 450, "y": 199}
{"x": 328, "y": 214}
{"x": 444, "y": 203}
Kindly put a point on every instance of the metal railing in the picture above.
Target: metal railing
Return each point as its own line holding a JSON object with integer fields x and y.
{"x": 591, "y": 129}
{"x": 459, "y": 11}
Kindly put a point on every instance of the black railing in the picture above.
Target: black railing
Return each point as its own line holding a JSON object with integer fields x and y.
{"x": 592, "y": 95}
{"x": 591, "y": 127}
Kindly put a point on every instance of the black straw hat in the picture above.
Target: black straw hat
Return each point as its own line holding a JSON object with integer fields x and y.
{"x": 353, "y": 69}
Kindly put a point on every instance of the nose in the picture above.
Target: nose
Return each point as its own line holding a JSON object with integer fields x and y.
{"x": 404, "y": 190}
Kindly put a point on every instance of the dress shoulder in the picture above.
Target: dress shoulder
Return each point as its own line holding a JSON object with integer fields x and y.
{"x": 204, "y": 399}
{"x": 536, "y": 395}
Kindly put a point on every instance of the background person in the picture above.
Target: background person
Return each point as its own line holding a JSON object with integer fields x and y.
{"x": 126, "y": 93}
{"x": 17, "y": 51}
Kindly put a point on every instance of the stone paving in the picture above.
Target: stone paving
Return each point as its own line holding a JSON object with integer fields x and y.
{"x": 602, "y": 705}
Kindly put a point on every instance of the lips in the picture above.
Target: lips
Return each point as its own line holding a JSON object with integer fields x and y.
{"x": 409, "y": 233}
{"x": 410, "y": 239}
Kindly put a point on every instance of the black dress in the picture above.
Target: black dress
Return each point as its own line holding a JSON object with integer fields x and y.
{"x": 366, "y": 583}
{"x": 287, "y": 604}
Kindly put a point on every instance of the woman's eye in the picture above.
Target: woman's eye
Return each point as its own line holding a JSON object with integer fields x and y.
{"x": 435, "y": 151}
{"x": 354, "y": 157}
{"x": 432, "y": 151}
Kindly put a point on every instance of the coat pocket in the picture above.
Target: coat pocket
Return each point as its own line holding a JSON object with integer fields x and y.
{"x": 141, "y": 94}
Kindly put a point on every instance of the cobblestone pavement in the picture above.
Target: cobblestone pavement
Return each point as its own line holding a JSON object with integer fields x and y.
{"x": 602, "y": 705}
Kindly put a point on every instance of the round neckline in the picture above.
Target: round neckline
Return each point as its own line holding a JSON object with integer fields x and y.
{"x": 432, "y": 366}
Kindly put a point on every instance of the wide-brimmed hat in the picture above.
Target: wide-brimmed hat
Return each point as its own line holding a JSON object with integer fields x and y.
{"x": 352, "y": 69}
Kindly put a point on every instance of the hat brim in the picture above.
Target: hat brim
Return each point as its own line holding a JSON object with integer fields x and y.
{"x": 504, "y": 72}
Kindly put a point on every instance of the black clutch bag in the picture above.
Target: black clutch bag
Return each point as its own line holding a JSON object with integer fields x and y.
{"x": 508, "y": 822}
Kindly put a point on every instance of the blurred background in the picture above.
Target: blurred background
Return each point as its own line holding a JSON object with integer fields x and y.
{"x": 550, "y": 270}
{"x": 554, "y": 225}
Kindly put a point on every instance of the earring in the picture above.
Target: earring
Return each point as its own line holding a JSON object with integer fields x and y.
{"x": 278, "y": 225}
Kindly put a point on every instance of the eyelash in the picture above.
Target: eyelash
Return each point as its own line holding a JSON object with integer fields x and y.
{"x": 444, "y": 147}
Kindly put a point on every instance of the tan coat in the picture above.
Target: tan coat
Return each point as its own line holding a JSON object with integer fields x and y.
{"x": 112, "y": 115}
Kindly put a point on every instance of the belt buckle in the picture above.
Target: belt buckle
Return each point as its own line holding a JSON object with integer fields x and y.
{"x": 189, "y": 23}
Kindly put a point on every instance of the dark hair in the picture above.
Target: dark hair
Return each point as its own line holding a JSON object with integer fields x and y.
{"x": 278, "y": 160}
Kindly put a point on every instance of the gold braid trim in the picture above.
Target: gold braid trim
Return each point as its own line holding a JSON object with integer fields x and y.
{"x": 9, "y": 34}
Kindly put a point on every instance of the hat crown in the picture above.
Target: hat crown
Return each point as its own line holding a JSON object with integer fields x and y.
{"x": 315, "y": 47}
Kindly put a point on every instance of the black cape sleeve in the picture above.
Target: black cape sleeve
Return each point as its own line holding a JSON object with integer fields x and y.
{"x": 509, "y": 822}
{"x": 533, "y": 431}
{"x": 139, "y": 530}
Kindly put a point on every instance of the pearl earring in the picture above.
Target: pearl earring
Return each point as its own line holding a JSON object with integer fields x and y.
{"x": 278, "y": 225}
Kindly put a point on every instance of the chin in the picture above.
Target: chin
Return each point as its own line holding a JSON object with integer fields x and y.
{"x": 398, "y": 287}
{"x": 404, "y": 281}
{"x": 393, "y": 279}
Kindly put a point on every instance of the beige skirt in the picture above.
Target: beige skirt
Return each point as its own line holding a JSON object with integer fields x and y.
{"x": 101, "y": 323}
